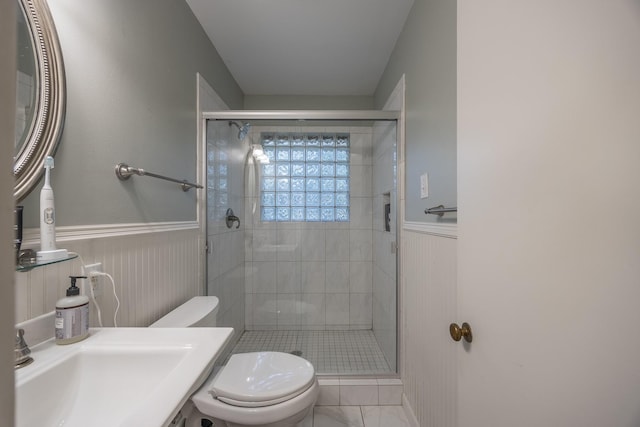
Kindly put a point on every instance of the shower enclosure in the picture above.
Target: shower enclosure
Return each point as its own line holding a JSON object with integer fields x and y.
{"x": 310, "y": 268}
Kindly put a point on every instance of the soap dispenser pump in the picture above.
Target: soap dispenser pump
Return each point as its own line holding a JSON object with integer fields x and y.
{"x": 72, "y": 315}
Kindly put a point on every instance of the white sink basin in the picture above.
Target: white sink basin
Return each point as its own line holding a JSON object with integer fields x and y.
{"x": 116, "y": 377}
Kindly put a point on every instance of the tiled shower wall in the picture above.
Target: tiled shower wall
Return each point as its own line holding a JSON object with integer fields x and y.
{"x": 226, "y": 157}
{"x": 313, "y": 275}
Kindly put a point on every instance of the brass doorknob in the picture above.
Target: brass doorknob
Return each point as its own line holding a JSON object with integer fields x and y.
{"x": 457, "y": 332}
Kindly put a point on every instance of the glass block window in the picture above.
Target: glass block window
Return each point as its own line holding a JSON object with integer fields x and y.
{"x": 307, "y": 177}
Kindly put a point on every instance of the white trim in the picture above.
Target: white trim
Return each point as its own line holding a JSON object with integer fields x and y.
{"x": 85, "y": 232}
{"x": 208, "y": 99}
{"x": 408, "y": 411}
{"x": 436, "y": 229}
{"x": 302, "y": 115}
{"x": 396, "y": 101}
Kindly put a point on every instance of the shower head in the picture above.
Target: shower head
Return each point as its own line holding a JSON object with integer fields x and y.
{"x": 243, "y": 130}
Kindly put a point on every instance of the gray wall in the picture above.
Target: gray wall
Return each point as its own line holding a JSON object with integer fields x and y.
{"x": 131, "y": 83}
{"x": 263, "y": 102}
{"x": 426, "y": 54}
{"x": 7, "y": 272}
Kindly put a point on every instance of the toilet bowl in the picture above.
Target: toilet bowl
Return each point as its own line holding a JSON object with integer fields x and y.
{"x": 261, "y": 389}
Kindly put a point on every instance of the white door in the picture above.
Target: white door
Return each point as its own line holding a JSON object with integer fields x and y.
{"x": 549, "y": 212}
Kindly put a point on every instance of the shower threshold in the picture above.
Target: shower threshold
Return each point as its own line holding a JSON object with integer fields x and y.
{"x": 331, "y": 352}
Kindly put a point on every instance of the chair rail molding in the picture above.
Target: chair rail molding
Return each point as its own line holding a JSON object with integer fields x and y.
{"x": 449, "y": 230}
{"x": 84, "y": 232}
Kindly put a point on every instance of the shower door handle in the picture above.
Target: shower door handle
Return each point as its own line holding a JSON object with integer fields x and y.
{"x": 230, "y": 218}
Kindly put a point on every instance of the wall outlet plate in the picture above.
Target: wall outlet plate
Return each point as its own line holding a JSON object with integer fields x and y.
{"x": 94, "y": 281}
{"x": 424, "y": 186}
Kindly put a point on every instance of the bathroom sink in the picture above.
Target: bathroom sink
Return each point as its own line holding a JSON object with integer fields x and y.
{"x": 116, "y": 377}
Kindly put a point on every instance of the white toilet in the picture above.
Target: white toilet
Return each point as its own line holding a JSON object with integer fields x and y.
{"x": 262, "y": 389}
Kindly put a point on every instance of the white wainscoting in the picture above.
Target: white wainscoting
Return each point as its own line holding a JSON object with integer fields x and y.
{"x": 428, "y": 354}
{"x": 156, "y": 267}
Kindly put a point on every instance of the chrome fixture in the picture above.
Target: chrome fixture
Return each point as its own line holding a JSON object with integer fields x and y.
{"x": 230, "y": 218}
{"x": 21, "y": 351}
{"x": 301, "y": 115}
{"x": 440, "y": 210}
{"x": 124, "y": 172}
{"x": 243, "y": 129}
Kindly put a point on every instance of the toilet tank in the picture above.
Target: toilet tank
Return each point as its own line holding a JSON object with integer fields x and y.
{"x": 197, "y": 312}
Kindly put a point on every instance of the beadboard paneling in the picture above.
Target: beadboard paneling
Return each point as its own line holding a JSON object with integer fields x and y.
{"x": 154, "y": 273}
{"x": 429, "y": 306}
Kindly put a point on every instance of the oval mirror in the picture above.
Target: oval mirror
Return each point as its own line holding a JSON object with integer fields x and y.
{"x": 40, "y": 94}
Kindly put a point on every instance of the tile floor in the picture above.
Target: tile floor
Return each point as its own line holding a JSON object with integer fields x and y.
{"x": 330, "y": 352}
{"x": 356, "y": 416}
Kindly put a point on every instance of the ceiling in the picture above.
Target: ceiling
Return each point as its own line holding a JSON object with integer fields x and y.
{"x": 304, "y": 47}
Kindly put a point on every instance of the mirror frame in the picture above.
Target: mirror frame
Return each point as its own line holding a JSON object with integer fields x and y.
{"x": 45, "y": 132}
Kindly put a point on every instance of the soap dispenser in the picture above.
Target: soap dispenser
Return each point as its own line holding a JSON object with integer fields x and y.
{"x": 72, "y": 315}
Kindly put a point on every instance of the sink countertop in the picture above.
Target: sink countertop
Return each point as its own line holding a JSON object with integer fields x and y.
{"x": 173, "y": 361}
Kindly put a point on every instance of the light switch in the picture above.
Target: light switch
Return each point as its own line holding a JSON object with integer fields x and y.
{"x": 424, "y": 186}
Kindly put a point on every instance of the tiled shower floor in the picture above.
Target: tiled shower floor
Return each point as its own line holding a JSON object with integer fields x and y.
{"x": 330, "y": 352}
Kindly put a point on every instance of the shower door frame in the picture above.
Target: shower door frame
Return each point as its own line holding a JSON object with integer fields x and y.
{"x": 335, "y": 115}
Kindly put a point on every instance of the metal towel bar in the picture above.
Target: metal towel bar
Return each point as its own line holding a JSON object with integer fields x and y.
{"x": 440, "y": 210}
{"x": 124, "y": 172}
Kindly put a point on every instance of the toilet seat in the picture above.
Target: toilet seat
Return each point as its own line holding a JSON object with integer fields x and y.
{"x": 254, "y": 380}
{"x": 294, "y": 409}
{"x": 295, "y": 399}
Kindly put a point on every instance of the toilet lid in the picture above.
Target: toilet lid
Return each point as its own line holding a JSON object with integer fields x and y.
{"x": 189, "y": 313}
{"x": 262, "y": 379}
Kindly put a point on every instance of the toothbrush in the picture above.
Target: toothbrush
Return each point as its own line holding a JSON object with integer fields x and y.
{"x": 47, "y": 211}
